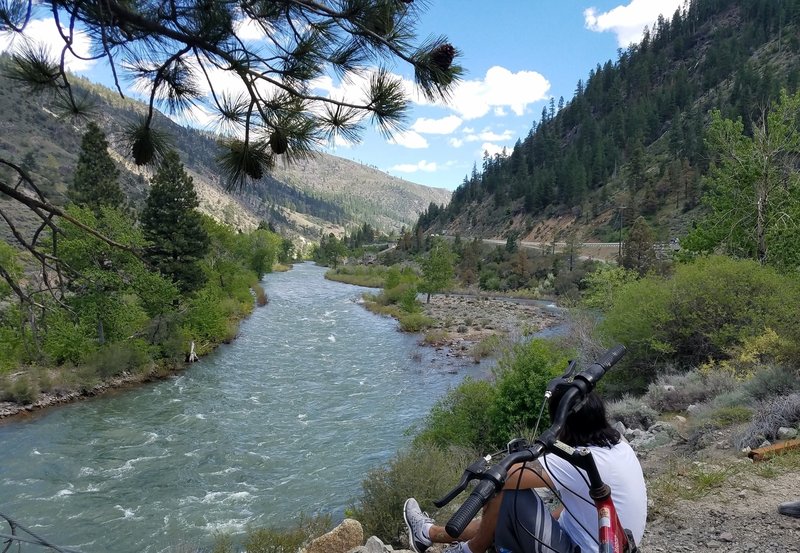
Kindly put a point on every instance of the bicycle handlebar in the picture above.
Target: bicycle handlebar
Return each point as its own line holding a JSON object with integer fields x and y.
{"x": 493, "y": 479}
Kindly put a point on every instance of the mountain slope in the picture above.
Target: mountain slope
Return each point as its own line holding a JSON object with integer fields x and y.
{"x": 324, "y": 194}
{"x": 630, "y": 142}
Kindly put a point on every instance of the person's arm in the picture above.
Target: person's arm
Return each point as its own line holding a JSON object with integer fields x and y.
{"x": 527, "y": 475}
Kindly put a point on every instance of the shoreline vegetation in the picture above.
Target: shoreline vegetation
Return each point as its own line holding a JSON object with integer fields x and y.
{"x": 461, "y": 323}
{"x": 152, "y": 371}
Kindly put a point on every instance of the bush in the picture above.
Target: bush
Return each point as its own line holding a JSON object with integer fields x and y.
{"x": 461, "y": 418}
{"x": 486, "y": 347}
{"x": 426, "y": 474}
{"x": 773, "y": 381}
{"x": 676, "y": 392}
{"x": 415, "y": 322}
{"x": 705, "y": 311}
{"x": 632, "y": 412}
{"x": 768, "y": 418}
{"x": 118, "y": 358}
{"x": 522, "y": 376}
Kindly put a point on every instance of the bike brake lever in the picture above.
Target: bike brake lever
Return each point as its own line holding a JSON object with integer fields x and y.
{"x": 472, "y": 472}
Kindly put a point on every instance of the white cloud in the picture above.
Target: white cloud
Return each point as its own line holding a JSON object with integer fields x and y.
{"x": 445, "y": 125}
{"x": 248, "y": 29}
{"x": 628, "y": 22}
{"x": 422, "y": 165}
{"x": 456, "y": 142}
{"x": 488, "y": 135}
{"x": 409, "y": 139}
{"x": 492, "y": 149}
{"x": 499, "y": 89}
{"x": 45, "y": 32}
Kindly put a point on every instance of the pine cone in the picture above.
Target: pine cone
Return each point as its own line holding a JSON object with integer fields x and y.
{"x": 278, "y": 142}
{"x": 442, "y": 56}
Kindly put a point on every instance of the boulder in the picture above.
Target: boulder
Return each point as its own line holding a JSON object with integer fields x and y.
{"x": 347, "y": 536}
{"x": 787, "y": 433}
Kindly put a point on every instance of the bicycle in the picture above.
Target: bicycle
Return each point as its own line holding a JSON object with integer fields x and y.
{"x": 574, "y": 388}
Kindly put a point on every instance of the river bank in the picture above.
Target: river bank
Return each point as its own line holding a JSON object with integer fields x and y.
{"x": 464, "y": 322}
{"x": 155, "y": 371}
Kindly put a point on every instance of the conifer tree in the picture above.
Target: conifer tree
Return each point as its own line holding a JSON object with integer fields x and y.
{"x": 173, "y": 225}
{"x": 95, "y": 182}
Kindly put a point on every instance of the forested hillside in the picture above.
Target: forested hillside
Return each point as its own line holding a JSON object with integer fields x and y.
{"x": 300, "y": 204}
{"x": 631, "y": 140}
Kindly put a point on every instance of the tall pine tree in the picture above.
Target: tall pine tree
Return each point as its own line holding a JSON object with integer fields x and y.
{"x": 95, "y": 182}
{"x": 173, "y": 225}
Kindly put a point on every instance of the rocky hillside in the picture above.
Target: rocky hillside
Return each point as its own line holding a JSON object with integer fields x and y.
{"x": 323, "y": 194}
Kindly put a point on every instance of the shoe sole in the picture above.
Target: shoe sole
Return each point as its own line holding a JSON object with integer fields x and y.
{"x": 790, "y": 509}
{"x": 411, "y": 542}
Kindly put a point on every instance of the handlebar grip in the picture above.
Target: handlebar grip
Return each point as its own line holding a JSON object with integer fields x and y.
{"x": 594, "y": 372}
{"x": 476, "y": 500}
{"x": 612, "y": 356}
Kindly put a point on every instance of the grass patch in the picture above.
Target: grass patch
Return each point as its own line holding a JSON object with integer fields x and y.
{"x": 435, "y": 337}
{"x": 486, "y": 347}
{"x": 359, "y": 275}
{"x": 688, "y": 481}
{"x": 415, "y": 322}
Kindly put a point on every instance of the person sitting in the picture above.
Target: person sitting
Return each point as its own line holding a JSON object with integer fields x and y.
{"x": 573, "y": 528}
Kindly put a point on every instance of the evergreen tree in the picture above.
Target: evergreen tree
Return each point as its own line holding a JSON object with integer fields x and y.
{"x": 637, "y": 251}
{"x": 95, "y": 182}
{"x": 173, "y": 225}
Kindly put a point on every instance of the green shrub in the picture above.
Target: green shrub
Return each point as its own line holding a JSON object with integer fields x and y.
{"x": 707, "y": 309}
{"x": 486, "y": 347}
{"x": 632, "y": 412}
{"x": 522, "y": 376}
{"x": 426, "y": 474}
{"x": 415, "y": 322}
{"x": 117, "y": 358}
{"x": 461, "y": 418}
{"x": 676, "y": 392}
{"x": 729, "y": 416}
{"x": 773, "y": 381}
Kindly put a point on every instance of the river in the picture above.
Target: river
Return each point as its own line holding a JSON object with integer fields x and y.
{"x": 287, "y": 419}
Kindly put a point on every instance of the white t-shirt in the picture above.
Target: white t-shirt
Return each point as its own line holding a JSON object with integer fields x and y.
{"x": 620, "y": 469}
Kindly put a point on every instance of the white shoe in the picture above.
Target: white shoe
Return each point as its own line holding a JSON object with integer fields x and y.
{"x": 416, "y": 521}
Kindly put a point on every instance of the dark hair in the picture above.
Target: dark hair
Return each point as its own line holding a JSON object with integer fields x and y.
{"x": 588, "y": 425}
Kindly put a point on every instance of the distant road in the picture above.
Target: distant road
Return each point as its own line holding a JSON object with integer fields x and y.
{"x": 585, "y": 250}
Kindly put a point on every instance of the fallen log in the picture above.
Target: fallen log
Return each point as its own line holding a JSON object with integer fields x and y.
{"x": 764, "y": 453}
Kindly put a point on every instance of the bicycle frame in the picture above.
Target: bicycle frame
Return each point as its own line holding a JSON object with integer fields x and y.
{"x": 613, "y": 537}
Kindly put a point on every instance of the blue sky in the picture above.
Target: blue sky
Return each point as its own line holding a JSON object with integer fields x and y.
{"x": 517, "y": 54}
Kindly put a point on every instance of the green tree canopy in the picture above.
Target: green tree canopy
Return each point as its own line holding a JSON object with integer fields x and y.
{"x": 95, "y": 182}
{"x": 173, "y": 225}
{"x": 437, "y": 268}
{"x": 753, "y": 189}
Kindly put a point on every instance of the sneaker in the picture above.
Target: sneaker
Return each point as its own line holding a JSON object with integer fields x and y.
{"x": 416, "y": 521}
{"x": 457, "y": 547}
{"x": 791, "y": 509}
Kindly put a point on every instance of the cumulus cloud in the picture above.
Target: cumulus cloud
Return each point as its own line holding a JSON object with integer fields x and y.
{"x": 445, "y": 125}
{"x": 456, "y": 142}
{"x": 422, "y": 165}
{"x": 628, "y": 22}
{"x": 44, "y": 32}
{"x": 409, "y": 139}
{"x": 499, "y": 90}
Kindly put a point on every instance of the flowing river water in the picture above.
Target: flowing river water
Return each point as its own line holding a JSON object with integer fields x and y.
{"x": 286, "y": 420}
